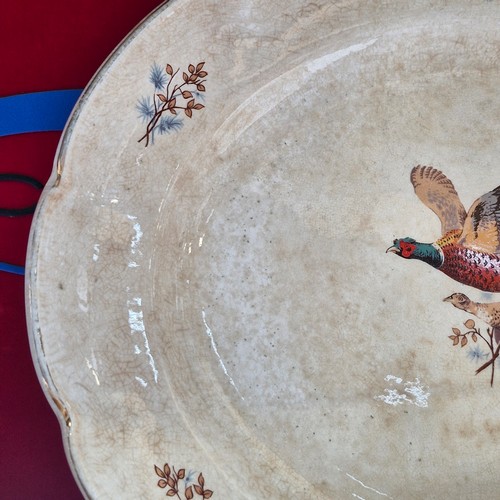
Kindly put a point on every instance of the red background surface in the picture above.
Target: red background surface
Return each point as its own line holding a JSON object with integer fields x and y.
{"x": 51, "y": 45}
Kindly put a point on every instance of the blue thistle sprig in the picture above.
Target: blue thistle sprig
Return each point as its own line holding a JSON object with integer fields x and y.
{"x": 171, "y": 96}
{"x": 473, "y": 334}
{"x": 157, "y": 77}
{"x": 145, "y": 108}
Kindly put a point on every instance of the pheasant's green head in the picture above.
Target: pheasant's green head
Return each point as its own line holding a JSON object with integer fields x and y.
{"x": 404, "y": 247}
{"x": 408, "y": 248}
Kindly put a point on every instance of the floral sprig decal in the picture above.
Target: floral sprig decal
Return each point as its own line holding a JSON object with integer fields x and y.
{"x": 476, "y": 353}
{"x": 171, "y": 478}
{"x": 172, "y": 94}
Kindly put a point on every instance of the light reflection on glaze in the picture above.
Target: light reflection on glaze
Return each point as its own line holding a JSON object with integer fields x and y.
{"x": 82, "y": 289}
{"x": 136, "y": 240}
{"x": 136, "y": 324}
{"x": 92, "y": 366}
{"x": 369, "y": 488}
{"x": 208, "y": 331}
{"x": 134, "y": 305}
{"x": 95, "y": 256}
{"x": 270, "y": 95}
{"x": 210, "y": 216}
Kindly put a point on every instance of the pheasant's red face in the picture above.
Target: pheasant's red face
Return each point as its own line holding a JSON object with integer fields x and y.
{"x": 404, "y": 247}
{"x": 407, "y": 249}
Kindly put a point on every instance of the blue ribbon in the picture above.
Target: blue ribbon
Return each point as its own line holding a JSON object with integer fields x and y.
{"x": 36, "y": 112}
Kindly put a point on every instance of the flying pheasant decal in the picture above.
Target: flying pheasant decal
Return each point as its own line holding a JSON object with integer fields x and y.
{"x": 469, "y": 248}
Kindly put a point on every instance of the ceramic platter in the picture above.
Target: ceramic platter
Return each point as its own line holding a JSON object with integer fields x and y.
{"x": 213, "y": 312}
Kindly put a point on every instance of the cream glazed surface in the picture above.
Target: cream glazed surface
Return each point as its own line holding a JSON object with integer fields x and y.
{"x": 213, "y": 313}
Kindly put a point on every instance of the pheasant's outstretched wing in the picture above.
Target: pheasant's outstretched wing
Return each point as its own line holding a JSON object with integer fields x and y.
{"x": 437, "y": 192}
{"x": 482, "y": 225}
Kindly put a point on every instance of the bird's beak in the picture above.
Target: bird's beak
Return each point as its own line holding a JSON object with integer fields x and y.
{"x": 393, "y": 249}
{"x": 448, "y": 299}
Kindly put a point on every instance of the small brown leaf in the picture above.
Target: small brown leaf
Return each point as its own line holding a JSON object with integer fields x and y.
{"x": 456, "y": 331}
{"x": 198, "y": 106}
{"x": 201, "y": 479}
{"x": 189, "y": 112}
{"x": 456, "y": 340}
{"x": 191, "y": 68}
{"x": 474, "y": 337}
{"x": 202, "y": 74}
{"x": 162, "y": 97}
{"x": 207, "y": 493}
{"x": 171, "y": 481}
{"x": 159, "y": 472}
{"x": 186, "y": 94}
{"x": 169, "y": 70}
{"x": 193, "y": 78}
{"x": 172, "y": 103}
{"x": 173, "y": 111}
{"x": 162, "y": 483}
{"x": 201, "y": 87}
{"x": 189, "y": 493}
{"x": 463, "y": 342}
{"x": 181, "y": 473}
{"x": 470, "y": 324}
{"x": 185, "y": 77}
{"x": 190, "y": 103}
{"x": 200, "y": 66}
{"x": 166, "y": 468}
{"x": 198, "y": 489}
{"x": 171, "y": 492}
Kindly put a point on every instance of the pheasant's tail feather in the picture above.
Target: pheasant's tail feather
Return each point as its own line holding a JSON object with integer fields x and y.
{"x": 437, "y": 192}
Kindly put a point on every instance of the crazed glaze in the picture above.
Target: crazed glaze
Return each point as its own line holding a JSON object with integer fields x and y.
{"x": 219, "y": 302}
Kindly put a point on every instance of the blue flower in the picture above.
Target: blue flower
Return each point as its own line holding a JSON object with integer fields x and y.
{"x": 476, "y": 354}
{"x": 145, "y": 108}
{"x": 199, "y": 96}
{"x": 189, "y": 478}
{"x": 169, "y": 124}
{"x": 157, "y": 77}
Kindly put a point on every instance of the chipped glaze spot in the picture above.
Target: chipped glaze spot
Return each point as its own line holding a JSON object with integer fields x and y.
{"x": 415, "y": 389}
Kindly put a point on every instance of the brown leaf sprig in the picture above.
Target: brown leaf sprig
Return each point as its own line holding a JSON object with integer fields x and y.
{"x": 170, "y": 478}
{"x": 178, "y": 95}
{"x": 474, "y": 334}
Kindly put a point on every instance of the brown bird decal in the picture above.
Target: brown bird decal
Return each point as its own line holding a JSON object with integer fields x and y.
{"x": 469, "y": 247}
{"x": 487, "y": 312}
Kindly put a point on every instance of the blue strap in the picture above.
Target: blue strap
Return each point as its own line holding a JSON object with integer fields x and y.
{"x": 9, "y": 268}
{"x": 36, "y": 112}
